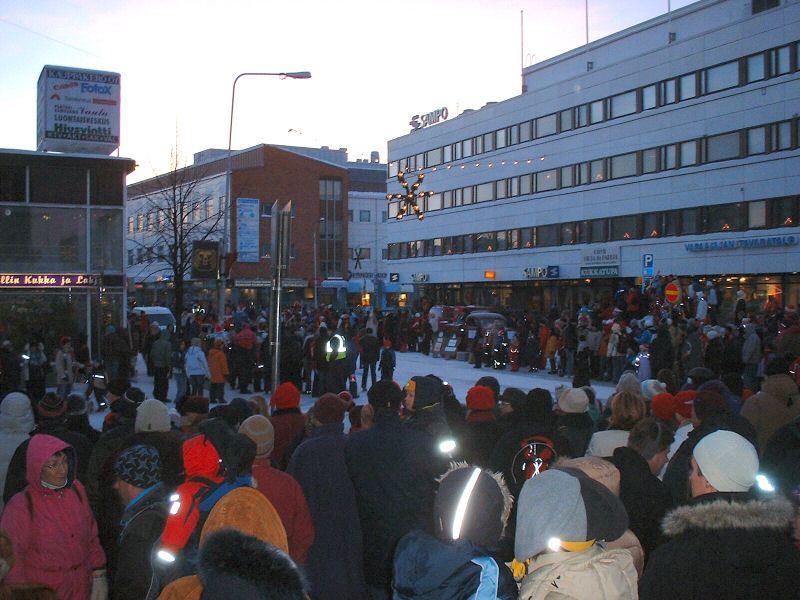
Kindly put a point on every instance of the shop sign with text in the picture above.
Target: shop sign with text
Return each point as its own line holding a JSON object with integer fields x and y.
{"x": 542, "y": 272}
{"x": 778, "y": 241}
{"x": 600, "y": 256}
{"x": 38, "y": 280}
{"x": 600, "y": 271}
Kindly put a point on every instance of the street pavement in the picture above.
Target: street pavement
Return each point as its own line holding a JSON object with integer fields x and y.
{"x": 461, "y": 375}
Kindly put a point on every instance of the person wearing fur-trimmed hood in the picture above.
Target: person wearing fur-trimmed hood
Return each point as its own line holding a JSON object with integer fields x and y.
{"x": 471, "y": 510}
{"x": 726, "y": 543}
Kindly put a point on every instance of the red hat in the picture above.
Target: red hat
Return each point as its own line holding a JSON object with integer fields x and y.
{"x": 663, "y": 406}
{"x": 480, "y": 397}
{"x": 286, "y": 396}
{"x": 329, "y": 409}
{"x": 683, "y": 403}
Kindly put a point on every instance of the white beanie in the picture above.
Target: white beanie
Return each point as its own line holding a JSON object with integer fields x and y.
{"x": 152, "y": 415}
{"x": 651, "y": 387}
{"x": 573, "y": 401}
{"x": 727, "y": 460}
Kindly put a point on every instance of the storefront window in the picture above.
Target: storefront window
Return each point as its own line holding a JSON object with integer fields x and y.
{"x": 106, "y": 232}
{"x": 724, "y": 217}
{"x": 106, "y": 187}
{"x": 45, "y": 239}
{"x": 783, "y": 212}
{"x": 625, "y": 228}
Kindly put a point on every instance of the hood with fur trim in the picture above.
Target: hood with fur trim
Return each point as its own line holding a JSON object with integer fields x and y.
{"x": 722, "y": 514}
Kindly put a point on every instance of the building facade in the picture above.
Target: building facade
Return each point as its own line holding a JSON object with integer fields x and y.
{"x": 315, "y": 180}
{"x": 670, "y": 147}
{"x": 61, "y": 239}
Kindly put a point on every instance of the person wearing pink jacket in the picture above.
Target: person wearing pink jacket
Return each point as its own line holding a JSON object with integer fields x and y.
{"x": 51, "y": 526}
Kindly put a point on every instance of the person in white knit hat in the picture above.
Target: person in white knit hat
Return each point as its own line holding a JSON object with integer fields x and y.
{"x": 726, "y": 542}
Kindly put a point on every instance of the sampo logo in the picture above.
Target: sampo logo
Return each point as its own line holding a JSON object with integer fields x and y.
{"x": 420, "y": 121}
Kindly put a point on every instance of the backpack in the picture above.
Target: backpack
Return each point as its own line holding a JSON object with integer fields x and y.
{"x": 536, "y": 455}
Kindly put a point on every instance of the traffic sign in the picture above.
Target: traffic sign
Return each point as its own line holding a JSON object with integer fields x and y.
{"x": 672, "y": 292}
{"x": 647, "y": 265}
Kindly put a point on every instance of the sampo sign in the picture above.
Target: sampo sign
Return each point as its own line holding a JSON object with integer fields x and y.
{"x": 420, "y": 121}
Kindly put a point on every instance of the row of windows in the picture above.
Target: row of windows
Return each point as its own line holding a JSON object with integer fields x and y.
{"x": 737, "y": 216}
{"x": 365, "y": 216}
{"x": 749, "y": 69}
{"x": 157, "y": 219}
{"x": 772, "y": 137}
{"x": 54, "y": 184}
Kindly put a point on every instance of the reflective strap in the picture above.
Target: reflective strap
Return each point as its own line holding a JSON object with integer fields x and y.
{"x": 489, "y": 579}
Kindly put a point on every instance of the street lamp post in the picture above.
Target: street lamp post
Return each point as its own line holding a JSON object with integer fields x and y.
{"x": 316, "y": 282}
{"x": 225, "y": 217}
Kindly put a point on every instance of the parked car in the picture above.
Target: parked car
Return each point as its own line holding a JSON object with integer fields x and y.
{"x": 159, "y": 315}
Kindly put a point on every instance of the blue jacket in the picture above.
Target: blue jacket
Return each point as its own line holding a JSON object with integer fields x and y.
{"x": 426, "y": 568}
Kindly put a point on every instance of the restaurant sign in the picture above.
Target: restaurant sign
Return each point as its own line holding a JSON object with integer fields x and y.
{"x": 39, "y": 280}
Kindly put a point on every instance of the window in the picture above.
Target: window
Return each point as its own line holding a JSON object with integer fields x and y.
{"x": 725, "y": 217}
{"x": 688, "y": 86}
{"x": 546, "y": 125}
{"x": 350, "y": 215}
{"x": 582, "y": 115}
{"x": 526, "y": 131}
{"x": 623, "y": 165}
{"x": 690, "y": 221}
{"x": 330, "y": 189}
{"x": 364, "y": 216}
{"x": 209, "y": 209}
{"x": 485, "y": 192}
{"x": 106, "y": 187}
{"x": 433, "y": 157}
{"x": 722, "y": 77}
{"x": 668, "y": 91}
{"x": 393, "y": 208}
{"x": 467, "y": 243}
{"x": 140, "y": 222}
{"x": 45, "y": 239}
{"x": 501, "y": 241}
{"x": 568, "y": 233}
{"x": 650, "y": 160}
{"x": 600, "y": 230}
{"x": 757, "y": 140}
{"x": 547, "y": 235}
{"x": 131, "y": 224}
{"x": 365, "y": 252}
{"x": 500, "y": 139}
{"x": 12, "y": 183}
{"x": 669, "y": 157}
{"x": 565, "y": 120}
{"x": 52, "y": 184}
{"x": 755, "y": 68}
{"x": 781, "y": 136}
{"x": 722, "y": 147}
{"x": 783, "y": 212}
{"x": 582, "y": 173}
{"x": 434, "y": 203}
{"x": 525, "y": 184}
{"x": 779, "y": 61}
{"x": 547, "y": 180}
{"x": 625, "y": 227}
{"x": 513, "y": 239}
{"x": 761, "y": 5}
{"x": 513, "y": 135}
{"x": 623, "y": 104}
{"x": 584, "y": 232}
{"x": 501, "y": 189}
{"x": 567, "y": 179}
{"x": 651, "y": 225}
{"x": 648, "y": 97}
{"x": 757, "y": 214}
{"x": 447, "y": 153}
{"x": 598, "y": 172}
{"x": 526, "y": 237}
{"x": 477, "y": 145}
{"x": 488, "y": 142}
{"x": 596, "y": 111}
{"x": 688, "y": 153}
{"x": 131, "y": 257}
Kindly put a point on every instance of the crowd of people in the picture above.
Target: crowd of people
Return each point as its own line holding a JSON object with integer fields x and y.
{"x": 684, "y": 483}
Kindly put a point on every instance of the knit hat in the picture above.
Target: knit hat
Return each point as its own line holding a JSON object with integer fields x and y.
{"x": 16, "y": 413}
{"x": 651, "y": 387}
{"x": 194, "y": 404}
{"x": 51, "y": 406}
{"x": 427, "y": 391}
{"x": 260, "y": 430}
{"x": 117, "y": 387}
{"x": 597, "y": 468}
{"x": 538, "y": 405}
{"x": 684, "y": 400}
{"x": 727, "y": 460}
{"x": 708, "y": 403}
{"x": 663, "y": 406}
{"x": 566, "y": 505}
{"x": 471, "y": 504}
{"x": 574, "y": 401}
{"x": 385, "y": 394}
{"x": 286, "y": 396}
{"x": 491, "y": 383}
{"x": 347, "y": 398}
{"x": 514, "y": 397}
{"x": 629, "y": 383}
{"x": 139, "y": 466}
{"x": 699, "y": 375}
{"x": 329, "y": 409}
{"x": 152, "y": 415}
{"x": 479, "y": 397}
{"x": 76, "y": 405}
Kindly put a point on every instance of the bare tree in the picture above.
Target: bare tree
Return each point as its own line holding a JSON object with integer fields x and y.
{"x": 180, "y": 209}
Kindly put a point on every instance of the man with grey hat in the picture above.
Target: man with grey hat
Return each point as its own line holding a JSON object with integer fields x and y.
{"x": 727, "y": 542}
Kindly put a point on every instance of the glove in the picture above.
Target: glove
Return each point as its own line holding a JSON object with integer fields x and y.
{"x": 99, "y": 585}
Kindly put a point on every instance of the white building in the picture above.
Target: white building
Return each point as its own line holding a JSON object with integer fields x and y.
{"x": 671, "y": 146}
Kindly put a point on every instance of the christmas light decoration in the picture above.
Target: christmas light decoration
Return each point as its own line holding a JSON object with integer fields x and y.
{"x": 410, "y": 196}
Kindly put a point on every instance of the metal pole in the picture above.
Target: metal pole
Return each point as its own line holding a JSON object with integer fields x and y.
{"x": 316, "y": 302}
{"x": 587, "y": 21}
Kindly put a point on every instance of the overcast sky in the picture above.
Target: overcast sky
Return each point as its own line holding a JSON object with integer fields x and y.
{"x": 374, "y": 64}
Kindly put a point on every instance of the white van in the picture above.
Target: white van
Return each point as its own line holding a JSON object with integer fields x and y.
{"x": 159, "y": 315}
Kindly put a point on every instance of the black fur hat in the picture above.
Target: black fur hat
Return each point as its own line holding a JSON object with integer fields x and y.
{"x": 235, "y": 565}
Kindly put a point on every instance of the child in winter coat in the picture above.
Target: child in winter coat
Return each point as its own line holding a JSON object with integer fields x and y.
{"x": 218, "y": 367}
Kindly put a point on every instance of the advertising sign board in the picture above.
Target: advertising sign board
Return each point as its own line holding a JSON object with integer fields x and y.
{"x": 247, "y": 230}
{"x": 77, "y": 110}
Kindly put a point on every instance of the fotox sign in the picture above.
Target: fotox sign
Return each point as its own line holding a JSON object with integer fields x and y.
{"x": 77, "y": 110}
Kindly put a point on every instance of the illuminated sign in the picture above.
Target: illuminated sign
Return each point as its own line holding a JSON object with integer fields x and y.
{"x": 40, "y": 280}
{"x": 421, "y": 121}
{"x": 542, "y": 272}
{"x": 489, "y": 274}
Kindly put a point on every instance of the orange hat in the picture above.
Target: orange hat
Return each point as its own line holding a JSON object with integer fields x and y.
{"x": 480, "y": 397}
{"x": 286, "y": 396}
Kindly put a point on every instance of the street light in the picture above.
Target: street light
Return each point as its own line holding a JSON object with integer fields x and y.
{"x": 316, "y": 283}
{"x": 225, "y": 238}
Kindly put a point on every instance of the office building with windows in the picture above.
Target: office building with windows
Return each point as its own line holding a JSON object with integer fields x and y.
{"x": 670, "y": 147}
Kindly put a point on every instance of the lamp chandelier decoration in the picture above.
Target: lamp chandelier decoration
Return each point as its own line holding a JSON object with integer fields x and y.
{"x": 409, "y": 197}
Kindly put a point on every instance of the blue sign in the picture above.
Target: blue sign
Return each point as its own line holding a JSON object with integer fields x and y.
{"x": 549, "y": 272}
{"x": 777, "y": 241}
{"x": 247, "y": 223}
{"x": 394, "y": 277}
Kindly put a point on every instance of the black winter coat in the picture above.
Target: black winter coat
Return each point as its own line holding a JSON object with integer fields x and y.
{"x": 578, "y": 430}
{"x": 478, "y": 439}
{"x": 142, "y": 524}
{"x": 394, "y": 470}
{"x": 725, "y": 546}
{"x": 645, "y": 497}
{"x": 426, "y": 568}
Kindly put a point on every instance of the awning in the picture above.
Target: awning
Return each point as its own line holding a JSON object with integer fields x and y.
{"x": 355, "y": 286}
{"x": 391, "y": 288}
{"x": 333, "y": 284}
